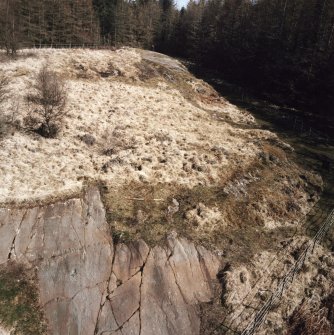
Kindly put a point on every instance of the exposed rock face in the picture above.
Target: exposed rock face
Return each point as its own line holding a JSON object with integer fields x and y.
{"x": 171, "y": 155}
{"x": 89, "y": 286}
{"x": 3, "y": 332}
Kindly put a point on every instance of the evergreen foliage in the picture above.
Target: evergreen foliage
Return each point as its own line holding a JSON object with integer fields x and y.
{"x": 284, "y": 48}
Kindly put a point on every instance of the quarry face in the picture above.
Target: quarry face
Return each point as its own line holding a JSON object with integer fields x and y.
{"x": 157, "y": 209}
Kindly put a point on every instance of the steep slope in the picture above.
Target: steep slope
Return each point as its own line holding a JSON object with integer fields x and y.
{"x": 130, "y": 125}
{"x": 89, "y": 286}
{"x": 191, "y": 199}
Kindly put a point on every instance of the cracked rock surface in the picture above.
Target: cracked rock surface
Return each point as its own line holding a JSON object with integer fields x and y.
{"x": 88, "y": 285}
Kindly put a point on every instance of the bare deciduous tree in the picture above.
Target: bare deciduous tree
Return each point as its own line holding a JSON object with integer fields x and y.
{"x": 9, "y": 28}
{"x": 48, "y": 104}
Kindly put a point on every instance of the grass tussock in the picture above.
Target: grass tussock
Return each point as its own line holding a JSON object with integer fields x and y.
{"x": 307, "y": 320}
{"x": 214, "y": 215}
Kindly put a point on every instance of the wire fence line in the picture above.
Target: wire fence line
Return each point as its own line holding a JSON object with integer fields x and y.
{"x": 259, "y": 314}
{"x": 300, "y": 125}
{"x": 317, "y": 217}
{"x": 261, "y": 281}
{"x": 288, "y": 278}
{"x": 318, "y": 214}
{"x": 65, "y": 46}
{"x": 254, "y": 290}
{"x": 258, "y": 285}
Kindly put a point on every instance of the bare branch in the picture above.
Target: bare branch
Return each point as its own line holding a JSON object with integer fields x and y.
{"x": 48, "y": 100}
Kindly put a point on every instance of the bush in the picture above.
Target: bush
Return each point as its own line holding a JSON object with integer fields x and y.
{"x": 48, "y": 104}
{"x": 11, "y": 44}
{"x": 4, "y": 82}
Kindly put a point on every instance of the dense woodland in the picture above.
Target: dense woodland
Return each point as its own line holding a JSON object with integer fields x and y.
{"x": 282, "y": 48}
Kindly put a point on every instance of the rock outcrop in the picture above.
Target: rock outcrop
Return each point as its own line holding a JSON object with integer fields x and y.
{"x": 89, "y": 285}
{"x": 3, "y": 332}
{"x": 173, "y": 159}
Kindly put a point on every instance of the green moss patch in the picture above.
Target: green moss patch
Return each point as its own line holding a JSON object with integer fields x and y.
{"x": 19, "y": 308}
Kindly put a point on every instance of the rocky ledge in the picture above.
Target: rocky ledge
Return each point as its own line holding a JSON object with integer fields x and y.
{"x": 89, "y": 285}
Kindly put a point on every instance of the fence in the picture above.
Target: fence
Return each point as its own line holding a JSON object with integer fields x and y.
{"x": 259, "y": 315}
{"x": 288, "y": 278}
{"x": 65, "y": 46}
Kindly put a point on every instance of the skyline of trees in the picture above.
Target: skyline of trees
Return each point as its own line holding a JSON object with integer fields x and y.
{"x": 283, "y": 47}
{"x": 40, "y": 22}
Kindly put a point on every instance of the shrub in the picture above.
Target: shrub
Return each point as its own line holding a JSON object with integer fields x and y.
{"x": 48, "y": 100}
{"x": 11, "y": 43}
{"x": 4, "y": 82}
